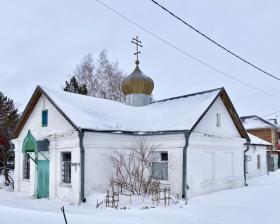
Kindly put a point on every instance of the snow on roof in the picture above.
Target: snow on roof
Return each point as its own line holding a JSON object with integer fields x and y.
{"x": 180, "y": 113}
{"x": 257, "y": 141}
{"x": 253, "y": 122}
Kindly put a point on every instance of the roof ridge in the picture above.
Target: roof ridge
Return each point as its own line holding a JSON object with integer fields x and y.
{"x": 46, "y": 88}
{"x": 248, "y": 116}
{"x": 262, "y": 119}
{"x": 42, "y": 87}
{"x": 188, "y": 95}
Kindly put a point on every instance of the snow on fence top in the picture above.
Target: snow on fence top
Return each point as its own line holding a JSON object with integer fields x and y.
{"x": 173, "y": 114}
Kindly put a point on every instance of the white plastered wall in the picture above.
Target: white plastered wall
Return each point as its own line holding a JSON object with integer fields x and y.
{"x": 99, "y": 146}
{"x": 215, "y": 153}
{"x": 251, "y": 163}
{"x": 62, "y": 137}
{"x": 58, "y": 144}
{"x": 214, "y": 163}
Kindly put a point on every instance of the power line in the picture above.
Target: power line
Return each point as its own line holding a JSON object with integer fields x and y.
{"x": 275, "y": 112}
{"x": 266, "y": 115}
{"x": 215, "y": 42}
{"x": 185, "y": 53}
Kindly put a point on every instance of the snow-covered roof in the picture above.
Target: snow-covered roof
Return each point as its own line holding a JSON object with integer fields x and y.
{"x": 257, "y": 141}
{"x": 100, "y": 114}
{"x": 255, "y": 122}
{"x": 89, "y": 113}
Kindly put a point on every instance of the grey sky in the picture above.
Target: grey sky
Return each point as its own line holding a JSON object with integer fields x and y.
{"x": 42, "y": 41}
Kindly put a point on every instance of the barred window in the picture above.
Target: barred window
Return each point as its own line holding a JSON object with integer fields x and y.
{"x": 66, "y": 167}
{"x": 160, "y": 165}
{"x": 26, "y": 167}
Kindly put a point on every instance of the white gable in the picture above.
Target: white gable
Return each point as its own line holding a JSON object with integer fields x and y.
{"x": 208, "y": 124}
{"x": 56, "y": 122}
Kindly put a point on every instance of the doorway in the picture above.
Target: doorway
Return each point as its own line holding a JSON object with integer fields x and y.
{"x": 43, "y": 179}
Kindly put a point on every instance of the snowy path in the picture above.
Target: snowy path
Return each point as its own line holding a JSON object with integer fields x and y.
{"x": 256, "y": 204}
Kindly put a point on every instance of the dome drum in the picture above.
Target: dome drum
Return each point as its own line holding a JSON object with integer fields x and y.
{"x": 138, "y": 100}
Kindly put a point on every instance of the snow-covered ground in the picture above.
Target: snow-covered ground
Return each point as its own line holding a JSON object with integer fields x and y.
{"x": 258, "y": 204}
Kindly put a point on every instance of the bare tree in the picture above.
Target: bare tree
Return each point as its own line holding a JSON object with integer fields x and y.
{"x": 132, "y": 167}
{"x": 101, "y": 77}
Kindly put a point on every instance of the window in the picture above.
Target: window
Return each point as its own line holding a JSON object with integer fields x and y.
{"x": 160, "y": 165}
{"x": 26, "y": 167}
{"x": 259, "y": 161}
{"x": 66, "y": 167}
{"x": 44, "y": 118}
{"x": 218, "y": 120}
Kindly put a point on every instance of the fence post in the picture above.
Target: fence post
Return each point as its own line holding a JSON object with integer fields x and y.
{"x": 168, "y": 196}
{"x": 63, "y": 212}
{"x": 165, "y": 196}
{"x": 107, "y": 199}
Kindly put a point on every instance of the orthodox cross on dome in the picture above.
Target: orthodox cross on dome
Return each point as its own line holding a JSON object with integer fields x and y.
{"x": 137, "y": 44}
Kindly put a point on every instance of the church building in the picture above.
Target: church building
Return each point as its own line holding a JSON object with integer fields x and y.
{"x": 63, "y": 139}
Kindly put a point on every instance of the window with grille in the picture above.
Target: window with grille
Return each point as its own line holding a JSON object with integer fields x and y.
{"x": 258, "y": 161}
{"x": 26, "y": 167}
{"x": 66, "y": 167}
{"x": 160, "y": 165}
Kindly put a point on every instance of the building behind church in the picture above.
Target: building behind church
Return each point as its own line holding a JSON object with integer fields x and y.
{"x": 269, "y": 131}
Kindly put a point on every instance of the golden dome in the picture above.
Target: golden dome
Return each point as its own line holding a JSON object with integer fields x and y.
{"x": 137, "y": 82}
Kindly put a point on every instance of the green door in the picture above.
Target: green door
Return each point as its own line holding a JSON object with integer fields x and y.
{"x": 43, "y": 179}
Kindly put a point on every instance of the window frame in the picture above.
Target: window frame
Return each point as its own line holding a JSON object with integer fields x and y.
{"x": 26, "y": 167}
{"x": 164, "y": 162}
{"x": 218, "y": 120}
{"x": 45, "y": 118}
{"x": 62, "y": 168}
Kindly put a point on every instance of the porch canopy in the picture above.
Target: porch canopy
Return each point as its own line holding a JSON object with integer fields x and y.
{"x": 30, "y": 144}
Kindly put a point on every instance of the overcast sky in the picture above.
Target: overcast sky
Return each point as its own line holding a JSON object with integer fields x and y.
{"x": 41, "y": 42}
